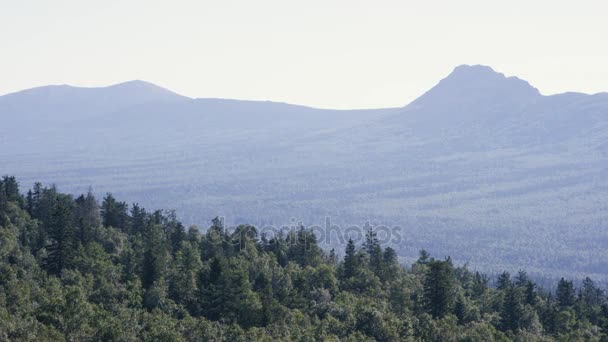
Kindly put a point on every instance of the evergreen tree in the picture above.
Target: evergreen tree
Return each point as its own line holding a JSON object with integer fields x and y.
{"x": 390, "y": 265}
{"x": 503, "y": 281}
{"x": 460, "y": 310}
{"x": 155, "y": 256}
{"x": 351, "y": 262}
{"x": 512, "y": 309}
{"x": 34, "y": 199}
{"x": 371, "y": 241}
{"x": 303, "y": 247}
{"x": 374, "y": 251}
{"x": 227, "y": 293}
{"x": 11, "y": 189}
{"x": 87, "y": 216}
{"x": 439, "y": 288}
{"x": 522, "y": 279}
{"x": 424, "y": 257}
{"x": 531, "y": 295}
{"x": 332, "y": 259}
{"x": 61, "y": 233}
{"x": 590, "y": 294}
{"x": 278, "y": 246}
{"x": 183, "y": 284}
{"x": 157, "y": 282}
{"x": 138, "y": 219}
{"x": 114, "y": 213}
{"x": 178, "y": 236}
{"x": 3, "y": 204}
{"x": 480, "y": 284}
{"x": 216, "y": 241}
{"x": 565, "y": 293}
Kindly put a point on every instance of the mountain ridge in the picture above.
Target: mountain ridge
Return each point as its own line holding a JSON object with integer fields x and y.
{"x": 461, "y": 73}
{"x": 486, "y": 170}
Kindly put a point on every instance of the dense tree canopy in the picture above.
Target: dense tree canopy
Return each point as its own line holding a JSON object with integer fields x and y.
{"x": 74, "y": 269}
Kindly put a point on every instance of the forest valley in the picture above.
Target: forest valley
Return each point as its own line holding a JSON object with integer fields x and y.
{"x": 72, "y": 269}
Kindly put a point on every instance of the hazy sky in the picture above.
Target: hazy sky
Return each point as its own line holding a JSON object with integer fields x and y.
{"x": 325, "y": 53}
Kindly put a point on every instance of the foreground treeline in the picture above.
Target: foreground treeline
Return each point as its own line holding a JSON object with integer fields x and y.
{"x": 74, "y": 269}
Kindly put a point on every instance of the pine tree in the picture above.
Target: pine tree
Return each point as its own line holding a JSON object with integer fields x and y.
{"x": 512, "y": 309}
{"x": 424, "y": 257}
{"x": 590, "y": 294}
{"x": 155, "y": 256}
{"x": 371, "y": 241}
{"x": 480, "y": 284}
{"x": 460, "y": 310}
{"x": 390, "y": 264}
{"x": 178, "y": 236}
{"x": 45, "y": 200}
{"x": 332, "y": 259}
{"x": 351, "y": 262}
{"x": 278, "y": 246}
{"x": 183, "y": 285}
{"x": 61, "y": 234}
{"x": 503, "y": 281}
{"x": 522, "y": 279}
{"x": 11, "y": 189}
{"x": 374, "y": 251}
{"x": 33, "y": 200}
{"x": 216, "y": 241}
{"x": 114, "y": 213}
{"x": 138, "y": 219}
{"x": 303, "y": 247}
{"x": 227, "y": 293}
{"x": 87, "y": 216}
{"x": 439, "y": 288}
{"x": 531, "y": 295}
{"x": 565, "y": 293}
{"x": 3, "y": 202}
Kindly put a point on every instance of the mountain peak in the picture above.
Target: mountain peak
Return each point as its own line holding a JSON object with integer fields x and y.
{"x": 479, "y": 83}
{"x": 475, "y": 69}
{"x": 483, "y": 75}
{"x": 72, "y": 102}
{"x": 143, "y": 88}
{"x": 134, "y": 84}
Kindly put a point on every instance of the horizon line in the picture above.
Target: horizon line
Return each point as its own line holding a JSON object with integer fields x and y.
{"x": 160, "y": 87}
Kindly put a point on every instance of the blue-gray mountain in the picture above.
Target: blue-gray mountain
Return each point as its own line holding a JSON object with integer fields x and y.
{"x": 481, "y": 167}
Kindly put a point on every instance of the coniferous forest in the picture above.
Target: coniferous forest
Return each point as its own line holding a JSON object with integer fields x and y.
{"x": 82, "y": 269}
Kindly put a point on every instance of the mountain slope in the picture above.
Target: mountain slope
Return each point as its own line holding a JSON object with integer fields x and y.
{"x": 482, "y": 167}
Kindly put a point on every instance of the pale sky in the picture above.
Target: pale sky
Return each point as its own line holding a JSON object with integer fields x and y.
{"x": 323, "y": 53}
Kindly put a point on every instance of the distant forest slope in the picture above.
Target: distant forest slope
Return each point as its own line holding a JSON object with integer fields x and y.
{"x": 481, "y": 167}
{"x": 72, "y": 269}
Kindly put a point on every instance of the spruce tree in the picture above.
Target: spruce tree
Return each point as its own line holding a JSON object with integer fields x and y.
{"x": 114, "y": 213}
{"x": 565, "y": 293}
{"x": 423, "y": 257}
{"x": 439, "y": 288}
{"x": 61, "y": 233}
{"x": 87, "y": 216}
{"x": 350, "y": 259}
{"x": 531, "y": 295}
{"x": 390, "y": 264}
{"x": 3, "y": 202}
{"x": 503, "y": 281}
{"x": 512, "y": 309}
{"x": 521, "y": 279}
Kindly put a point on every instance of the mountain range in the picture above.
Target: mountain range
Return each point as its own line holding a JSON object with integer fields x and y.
{"x": 482, "y": 167}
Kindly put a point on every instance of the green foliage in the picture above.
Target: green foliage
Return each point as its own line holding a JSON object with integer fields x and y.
{"x": 71, "y": 269}
{"x": 565, "y": 293}
{"x": 439, "y": 288}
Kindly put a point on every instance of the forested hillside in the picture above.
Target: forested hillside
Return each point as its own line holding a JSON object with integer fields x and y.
{"x": 74, "y": 269}
{"x": 512, "y": 176}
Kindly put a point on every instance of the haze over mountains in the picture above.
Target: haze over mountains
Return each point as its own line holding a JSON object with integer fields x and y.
{"x": 481, "y": 167}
